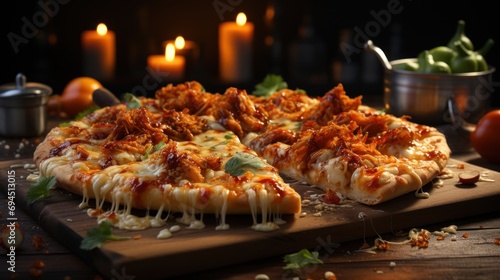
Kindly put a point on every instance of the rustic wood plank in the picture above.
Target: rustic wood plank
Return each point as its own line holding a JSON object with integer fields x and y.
{"x": 60, "y": 216}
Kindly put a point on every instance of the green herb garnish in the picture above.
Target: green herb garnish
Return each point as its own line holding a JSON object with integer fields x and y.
{"x": 42, "y": 188}
{"x": 240, "y": 163}
{"x": 132, "y": 101}
{"x": 100, "y": 234}
{"x": 271, "y": 84}
{"x": 301, "y": 259}
{"x": 156, "y": 147}
{"x": 228, "y": 138}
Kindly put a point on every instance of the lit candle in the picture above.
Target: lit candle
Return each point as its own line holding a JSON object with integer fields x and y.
{"x": 235, "y": 50}
{"x": 189, "y": 50}
{"x": 169, "y": 65}
{"x": 99, "y": 53}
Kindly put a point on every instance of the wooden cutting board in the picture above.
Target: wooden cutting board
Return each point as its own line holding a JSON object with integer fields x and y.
{"x": 190, "y": 250}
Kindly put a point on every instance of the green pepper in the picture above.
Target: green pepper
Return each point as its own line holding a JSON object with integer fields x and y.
{"x": 407, "y": 66}
{"x": 482, "y": 65}
{"x": 465, "y": 60}
{"x": 443, "y": 53}
{"x": 427, "y": 64}
{"x": 460, "y": 36}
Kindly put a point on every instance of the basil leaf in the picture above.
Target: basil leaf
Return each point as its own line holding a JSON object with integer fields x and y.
{"x": 271, "y": 84}
{"x": 241, "y": 162}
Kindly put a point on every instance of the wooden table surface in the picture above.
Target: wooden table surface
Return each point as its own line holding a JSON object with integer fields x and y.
{"x": 472, "y": 253}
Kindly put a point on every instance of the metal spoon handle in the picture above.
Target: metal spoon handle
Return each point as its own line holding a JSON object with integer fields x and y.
{"x": 380, "y": 54}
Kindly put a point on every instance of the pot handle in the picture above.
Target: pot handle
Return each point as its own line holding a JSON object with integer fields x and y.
{"x": 380, "y": 54}
{"x": 459, "y": 123}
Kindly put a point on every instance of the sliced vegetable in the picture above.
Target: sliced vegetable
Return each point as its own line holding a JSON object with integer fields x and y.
{"x": 42, "y": 188}
{"x": 469, "y": 177}
{"x": 97, "y": 236}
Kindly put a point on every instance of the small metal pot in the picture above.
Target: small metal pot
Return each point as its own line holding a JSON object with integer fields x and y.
{"x": 23, "y": 108}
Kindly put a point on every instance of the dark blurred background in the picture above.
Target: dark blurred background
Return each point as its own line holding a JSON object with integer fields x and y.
{"x": 299, "y": 41}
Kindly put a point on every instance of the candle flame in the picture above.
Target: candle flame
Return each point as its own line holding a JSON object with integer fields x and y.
{"x": 170, "y": 52}
{"x": 241, "y": 19}
{"x": 102, "y": 29}
{"x": 179, "y": 42}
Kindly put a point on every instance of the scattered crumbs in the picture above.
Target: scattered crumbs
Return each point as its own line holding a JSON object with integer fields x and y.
{"x": 392, "y": 264}
{"x": 261, "y": 277}
{"x": 453, "y": 238}
{"x": 136, "y": 237}
{"x": 440, "y": 238}
{"x": 318, "y": 214}
{"x": 330, "y": 276}
{"x": 175, "y": 228}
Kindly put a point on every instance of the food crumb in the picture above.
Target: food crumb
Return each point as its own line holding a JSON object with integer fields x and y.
{"x": 454, "y": 238}
{"x": 380, "y": 272}
{"x": 497, "y": 241}
{"x": 261, "y": 277}
{"x": 465, "y": 235}
{"x": 330, "y": 276}
{"x": 392, "y": 264}
{"x": 303, "y": 214}
{"x": 317, "y": 214}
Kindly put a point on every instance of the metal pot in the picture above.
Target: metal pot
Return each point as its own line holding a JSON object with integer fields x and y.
{"x": 425, "y": 97}
{"x": 23, "y": 108}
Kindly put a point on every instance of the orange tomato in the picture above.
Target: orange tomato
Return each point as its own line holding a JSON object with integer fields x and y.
{"x": 77, "y": 95}
{"x": 486, "y": 137}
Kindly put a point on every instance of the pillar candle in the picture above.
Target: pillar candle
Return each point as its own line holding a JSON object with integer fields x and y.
{"x": 190, "y": 51}
{"x": 99, "y": 53}
{"x": 169, "y": 66}
{"x": 235, "y": 50}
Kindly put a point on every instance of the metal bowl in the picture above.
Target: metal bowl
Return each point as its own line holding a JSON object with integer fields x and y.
{"x": 424, "y": 97}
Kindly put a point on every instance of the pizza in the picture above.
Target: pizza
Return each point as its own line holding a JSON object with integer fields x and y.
{"x": 193, "y": 152}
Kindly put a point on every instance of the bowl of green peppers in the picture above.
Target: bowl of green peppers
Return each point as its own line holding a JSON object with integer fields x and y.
{"x": 422, "y": 87}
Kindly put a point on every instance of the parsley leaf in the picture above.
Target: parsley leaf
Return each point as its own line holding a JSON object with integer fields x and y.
{"x": 132, "y": 101}
{"x": 271, "y": 84}
{"x": 156, "y": 147}
{"x": 100, "y": 234}
{"x": 42, "y": 188}
{"x": 301, "y": 259}
{"x": 240, "y": 163}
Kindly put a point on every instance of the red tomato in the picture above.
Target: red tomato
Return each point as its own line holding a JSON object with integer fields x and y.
{"x": 486, "y": 137}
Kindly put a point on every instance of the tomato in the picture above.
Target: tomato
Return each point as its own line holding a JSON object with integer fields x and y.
{"x": 77, "y": 95}
{"x": 486, "y": 137}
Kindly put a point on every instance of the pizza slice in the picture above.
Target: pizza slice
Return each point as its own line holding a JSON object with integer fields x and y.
{"x": 156, "y": 159}
{"x": 366, "y": 157}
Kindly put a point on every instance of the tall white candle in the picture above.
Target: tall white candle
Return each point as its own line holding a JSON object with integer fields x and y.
{"x": 99, "y": 53}
{"x": 235, "y": 50}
